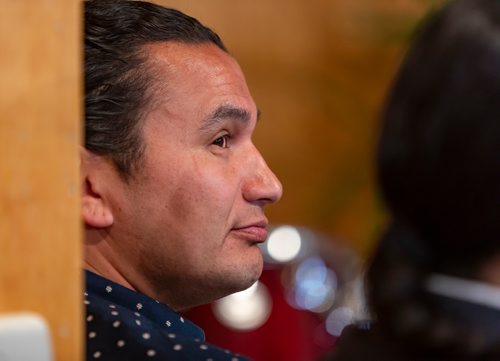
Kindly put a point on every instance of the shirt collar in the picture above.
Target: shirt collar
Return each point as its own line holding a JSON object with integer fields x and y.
{"x": 159, "y": 313}
{"x": 477, "y": 292}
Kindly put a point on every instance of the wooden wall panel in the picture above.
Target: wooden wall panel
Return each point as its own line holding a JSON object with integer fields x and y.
{"x": 40, "y": 117}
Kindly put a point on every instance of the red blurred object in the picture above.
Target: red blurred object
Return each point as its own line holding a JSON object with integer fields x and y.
{"x": 288, "y": 335}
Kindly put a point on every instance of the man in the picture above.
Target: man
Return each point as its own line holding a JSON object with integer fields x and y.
{"x": 174, "y": 188}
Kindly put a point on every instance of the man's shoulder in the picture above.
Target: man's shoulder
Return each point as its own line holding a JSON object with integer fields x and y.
{"x": 115, "y": 340}
{"x": 125, "y": 325}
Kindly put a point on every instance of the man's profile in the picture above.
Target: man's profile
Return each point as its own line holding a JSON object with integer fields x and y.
{"x": 174, "y": 188}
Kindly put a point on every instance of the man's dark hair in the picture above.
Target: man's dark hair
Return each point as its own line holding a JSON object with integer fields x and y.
{"x": 117, "y": 80}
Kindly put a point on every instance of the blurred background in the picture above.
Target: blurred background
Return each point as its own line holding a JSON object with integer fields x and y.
{"x": 319, "y": 71}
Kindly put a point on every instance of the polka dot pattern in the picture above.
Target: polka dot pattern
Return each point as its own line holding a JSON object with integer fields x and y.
{"x": 126, "y": 325}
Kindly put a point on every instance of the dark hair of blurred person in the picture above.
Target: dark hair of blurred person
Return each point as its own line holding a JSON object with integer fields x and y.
{"x": 433, "y": 285}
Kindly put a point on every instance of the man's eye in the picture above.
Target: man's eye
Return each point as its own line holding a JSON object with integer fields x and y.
{"x": 221, "y": 141}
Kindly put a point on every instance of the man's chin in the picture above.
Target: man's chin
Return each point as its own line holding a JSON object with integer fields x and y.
{"x": 247, "y": 279}
{"x": 238, "y": 281}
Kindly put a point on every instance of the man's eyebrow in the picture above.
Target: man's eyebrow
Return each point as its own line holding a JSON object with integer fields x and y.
{"x": 225, "y": 112}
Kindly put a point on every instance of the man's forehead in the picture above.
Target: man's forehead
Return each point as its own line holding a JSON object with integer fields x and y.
{"x": 188, "y": 56}
{"x": 205, "y": 94}
{"x": 206, "y": 64}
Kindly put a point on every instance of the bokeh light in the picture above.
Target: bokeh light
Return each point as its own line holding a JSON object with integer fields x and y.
{"x": 284, "y": 243}
{"x": 338, "y": 319}
{"x": 245, "y": 310}
{"x": 315, "y": 286}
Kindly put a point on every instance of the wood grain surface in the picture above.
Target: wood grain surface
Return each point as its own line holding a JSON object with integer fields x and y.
{"x": 40, "y": 120}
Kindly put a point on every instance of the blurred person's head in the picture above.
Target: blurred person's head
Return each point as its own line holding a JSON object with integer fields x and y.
{"x": 439, "y": 166}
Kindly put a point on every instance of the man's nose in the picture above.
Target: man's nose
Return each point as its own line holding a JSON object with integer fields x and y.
{"x": 261, "y": 185}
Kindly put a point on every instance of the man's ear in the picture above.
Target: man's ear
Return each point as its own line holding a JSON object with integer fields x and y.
{"x": 96, "y": 212}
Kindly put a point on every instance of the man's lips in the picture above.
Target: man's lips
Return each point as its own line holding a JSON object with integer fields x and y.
{"x": 256, "y": 232}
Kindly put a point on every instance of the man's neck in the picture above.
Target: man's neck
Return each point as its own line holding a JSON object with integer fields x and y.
{"x": 99, "y": 256}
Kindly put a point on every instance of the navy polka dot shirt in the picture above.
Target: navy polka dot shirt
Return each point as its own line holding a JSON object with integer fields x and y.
{"x": 123, "y": 325}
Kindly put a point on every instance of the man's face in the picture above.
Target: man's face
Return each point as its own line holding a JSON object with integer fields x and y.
{"x": 188, "y": 222}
